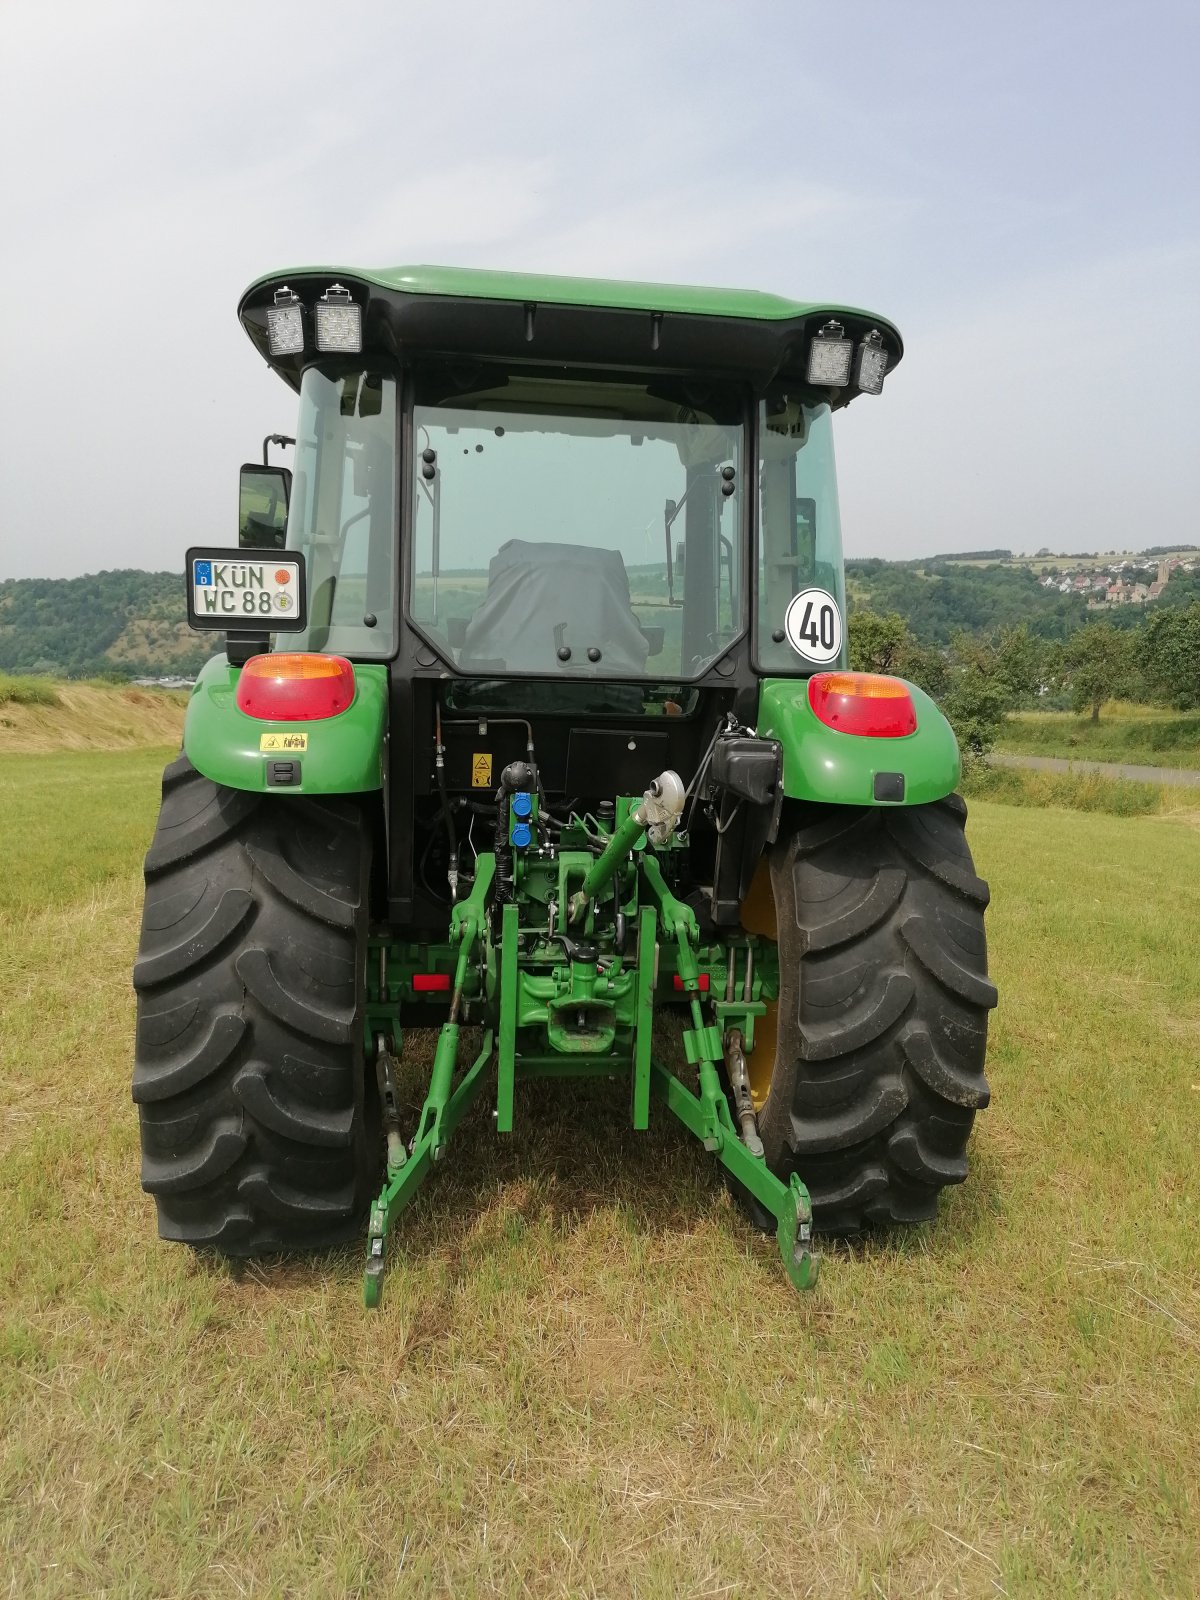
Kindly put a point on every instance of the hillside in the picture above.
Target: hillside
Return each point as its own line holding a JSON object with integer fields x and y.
{"x": 132, "y": 623}
{"x": 127, "y": 622}
{"x": 944, "y": 595}
{"x": 938, "y": 600}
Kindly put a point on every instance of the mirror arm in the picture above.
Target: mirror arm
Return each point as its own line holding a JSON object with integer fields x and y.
{"x": 281, "y": 439}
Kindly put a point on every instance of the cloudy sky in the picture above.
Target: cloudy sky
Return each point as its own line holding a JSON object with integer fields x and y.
{"x": 1015, "y": 185}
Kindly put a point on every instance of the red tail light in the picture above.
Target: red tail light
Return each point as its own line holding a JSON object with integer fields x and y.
{"x": 702, "y": 980}
{"x": 430, "y": 982}
{"x": 865, "y": 703}
{"x": 295, "y": 687}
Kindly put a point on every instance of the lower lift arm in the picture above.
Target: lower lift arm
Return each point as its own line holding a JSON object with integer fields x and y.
{"x": 706, "y": 1114}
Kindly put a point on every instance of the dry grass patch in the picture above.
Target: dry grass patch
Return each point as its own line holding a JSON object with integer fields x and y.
{"x": 590, "y": 1376}
{"x": 80, "y": 716}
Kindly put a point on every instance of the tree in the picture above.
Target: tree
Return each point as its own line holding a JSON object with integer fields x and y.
{"x": 1169, "y": 652}
{"x": 975, "y": 708}
{"x": 1011, "y": 658}
{"x": 1096, "y": 664}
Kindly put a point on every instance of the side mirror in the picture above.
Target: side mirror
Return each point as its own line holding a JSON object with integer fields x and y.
{"x": 654, "y": 637}
{"x": 456, "y": 631}
{"x": 263, "y": 494}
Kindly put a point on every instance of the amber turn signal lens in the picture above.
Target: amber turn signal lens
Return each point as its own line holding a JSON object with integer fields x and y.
{"x": 866, "y": 703}
{"x": 295, "y": 687}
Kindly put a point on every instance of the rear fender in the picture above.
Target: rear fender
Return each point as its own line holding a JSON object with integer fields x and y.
{"x": 819, "y": 763}
{"x": 336, "y": 755}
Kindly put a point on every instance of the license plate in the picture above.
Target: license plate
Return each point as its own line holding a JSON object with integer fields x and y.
{"x": 246, "y": 591}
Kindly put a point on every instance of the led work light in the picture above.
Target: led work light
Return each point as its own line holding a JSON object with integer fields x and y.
{"x": 829, "y": 357}
{"x": 871, "y": 363}
{"x": 285, "y": 323}
{"x": 339, "y": 321}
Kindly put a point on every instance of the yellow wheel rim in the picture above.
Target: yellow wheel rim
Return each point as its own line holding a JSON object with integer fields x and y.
{"x": 758, "y": 916}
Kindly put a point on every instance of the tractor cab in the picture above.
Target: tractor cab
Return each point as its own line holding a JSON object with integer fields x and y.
{"x": 687, "y": 439}
{"x": 610, "y": 509}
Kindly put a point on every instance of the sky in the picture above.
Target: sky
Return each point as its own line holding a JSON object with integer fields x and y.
{"x": 1015, "y": 186}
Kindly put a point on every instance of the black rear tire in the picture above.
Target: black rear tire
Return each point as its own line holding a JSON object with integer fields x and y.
{"x": 883, "y": 1007}
{"x": 249, "y": 1079}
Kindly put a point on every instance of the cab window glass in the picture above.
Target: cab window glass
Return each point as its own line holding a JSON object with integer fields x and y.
{"x": 342, "y": 513}
{"x": 800, "y": 531}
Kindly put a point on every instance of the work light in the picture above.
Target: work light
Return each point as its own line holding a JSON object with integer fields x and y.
{"x": 339, "y": 321}
{"x": 871, "y": 363}
{"x": 285, "y": 324}
{"x": 829, "y": 357}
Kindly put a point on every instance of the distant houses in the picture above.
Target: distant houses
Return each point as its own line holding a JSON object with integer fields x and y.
{"x": 1121, "y": 583}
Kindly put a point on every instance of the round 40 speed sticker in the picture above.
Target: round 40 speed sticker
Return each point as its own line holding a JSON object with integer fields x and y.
{"x": 813, "y": 625}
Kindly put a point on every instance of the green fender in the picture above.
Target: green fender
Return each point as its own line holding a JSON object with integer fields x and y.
{"x": 819, "y": 763}
{"x": 337, "y": 755}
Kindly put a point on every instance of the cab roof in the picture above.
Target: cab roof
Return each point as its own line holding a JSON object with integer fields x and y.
{"x": 535, "y": 317}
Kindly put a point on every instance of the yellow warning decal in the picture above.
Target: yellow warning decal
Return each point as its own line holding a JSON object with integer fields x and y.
{"x": 481, "y": 770}
{"x": 273, "y": 743}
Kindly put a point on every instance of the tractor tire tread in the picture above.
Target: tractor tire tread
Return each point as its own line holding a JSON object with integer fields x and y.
{"x": 249, "y": 1075}
{"x": 883, "y": 1006}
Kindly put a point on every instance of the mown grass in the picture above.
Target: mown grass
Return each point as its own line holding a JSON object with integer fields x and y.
{"x": 590, "y": 1377}
{"x": 1133, "y": 734}
{"x": 92, "y": 715}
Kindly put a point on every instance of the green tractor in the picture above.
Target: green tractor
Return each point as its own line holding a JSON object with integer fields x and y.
{"x": 534, "y": 722}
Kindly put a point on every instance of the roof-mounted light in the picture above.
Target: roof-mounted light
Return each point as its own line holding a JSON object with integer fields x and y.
{"x": 339, "y": 321}
{"x": 871, "y": 363}
{"x": 829, "y": 357}
{"x": 285, "y": 323}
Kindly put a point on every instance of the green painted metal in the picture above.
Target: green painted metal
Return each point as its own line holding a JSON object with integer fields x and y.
{"x": 788, "y": 1203}
{"x": 647, "y": 945}
{"x": 339, "y": 755}
{"x": 444, "y": 1104}
{"x": 610, "y": 861}
{"x": 469, "y": 283}
{"x": 404, "y": 1181}
{"x": 819, "y": 763}
{"x": 506, "y": 1067}
{"x": 544, "y": 995}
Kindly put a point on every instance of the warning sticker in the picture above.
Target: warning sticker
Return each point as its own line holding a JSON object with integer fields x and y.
{"x": 481, "y": 770}
{"x": 291, "y": 743}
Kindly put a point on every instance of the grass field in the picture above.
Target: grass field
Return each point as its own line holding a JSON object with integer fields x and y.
{"x": 589, "y": 1376}
{"x": 1137, "y": 735}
